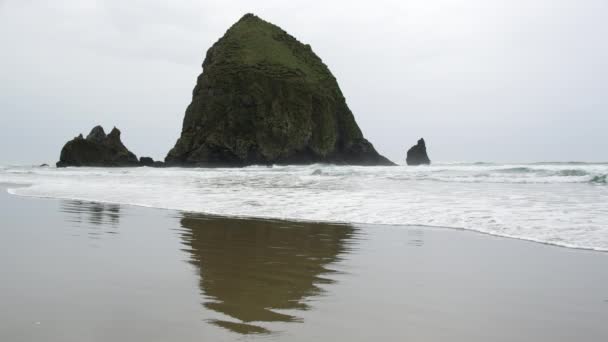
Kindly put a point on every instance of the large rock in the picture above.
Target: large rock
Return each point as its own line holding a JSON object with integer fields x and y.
{"x": 264, "y": 97}
{"x": 98, "y": 149}
{"x": 417, "y": 154}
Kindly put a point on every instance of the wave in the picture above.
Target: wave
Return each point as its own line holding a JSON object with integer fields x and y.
{"x": 513, "y": 175}
{"x": 569, "y": 163}
{"x": 601, "y": 179}
{"x": 550, "y": 204}
{"x": 516, "y": 170}
{"x": 572, "y": 173}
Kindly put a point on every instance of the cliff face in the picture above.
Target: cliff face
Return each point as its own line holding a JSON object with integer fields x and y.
{"x": 264, "y": 97}
{"x": 98, "y": 149}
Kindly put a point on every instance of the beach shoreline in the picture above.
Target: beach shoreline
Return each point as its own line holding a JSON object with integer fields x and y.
{"x": 191, "y": 276}
{"x": 554, "y": 204}
{"x": 6, "y": 187}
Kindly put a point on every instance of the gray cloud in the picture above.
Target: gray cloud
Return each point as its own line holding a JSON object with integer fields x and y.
{"x": 481, "y": 80}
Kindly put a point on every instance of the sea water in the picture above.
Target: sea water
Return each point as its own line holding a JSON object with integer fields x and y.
{"x": 565, "y": 204}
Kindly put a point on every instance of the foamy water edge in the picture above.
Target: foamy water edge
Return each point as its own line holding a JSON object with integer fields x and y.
{"x": 550, "y": 204}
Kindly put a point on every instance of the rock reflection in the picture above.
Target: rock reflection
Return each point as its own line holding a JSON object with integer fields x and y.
{"x": 93, "y": 215}
{"x": 260, "y": 270}
{"x": 415, "y": 237}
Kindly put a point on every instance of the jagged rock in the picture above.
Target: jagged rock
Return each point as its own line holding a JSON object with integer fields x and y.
{"x": 263, "y": 98}
{"x": 97, "y": 135}
{"x": 98, "y": 149}
{"x": 417, "y": 154}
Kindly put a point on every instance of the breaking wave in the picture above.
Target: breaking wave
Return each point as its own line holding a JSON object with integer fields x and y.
{"x": 601, "y": 179}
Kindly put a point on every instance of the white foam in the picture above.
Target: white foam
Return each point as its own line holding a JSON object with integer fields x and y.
{"x": 549, "y": 203}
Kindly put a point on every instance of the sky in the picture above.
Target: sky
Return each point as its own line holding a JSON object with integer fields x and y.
{"x": 480, "y": 80}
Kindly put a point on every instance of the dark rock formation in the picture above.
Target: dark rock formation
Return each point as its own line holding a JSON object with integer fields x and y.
{"x": 264, "y": 98}
{"x": 44, "y": 165}
{"x": 417, "y": 154}
{"x": 98, "y": 149}
{"x": 146, "y": 161}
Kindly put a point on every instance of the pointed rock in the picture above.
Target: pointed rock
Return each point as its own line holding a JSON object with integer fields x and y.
{"x": 263, "y": 98}
{"x": 98, "y": 149}
{"x": 97, "y": 135}
{"x": 417, "y": 154}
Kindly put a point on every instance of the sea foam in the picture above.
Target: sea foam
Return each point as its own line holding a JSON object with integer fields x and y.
{"x": 564, "y": 204}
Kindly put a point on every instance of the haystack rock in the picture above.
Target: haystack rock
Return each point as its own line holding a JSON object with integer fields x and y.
{"x": 98, "y": 149}
{"x": 417, "y": 154}
{"x": 265, "y": 98}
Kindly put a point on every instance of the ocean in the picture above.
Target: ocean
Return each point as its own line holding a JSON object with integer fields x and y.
{"x": 564, "y": 204}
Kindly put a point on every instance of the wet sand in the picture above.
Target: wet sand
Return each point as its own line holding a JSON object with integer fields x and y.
{"x": 81, "y": 271}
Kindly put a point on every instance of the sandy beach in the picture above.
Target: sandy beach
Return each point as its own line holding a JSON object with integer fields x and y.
{"x": 85, "y": 271}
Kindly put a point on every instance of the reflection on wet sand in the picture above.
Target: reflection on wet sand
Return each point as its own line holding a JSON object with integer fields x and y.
{"x": 253, "y": 269}
{"x": 92, "y": 215}
{"x": 415, "y": 237}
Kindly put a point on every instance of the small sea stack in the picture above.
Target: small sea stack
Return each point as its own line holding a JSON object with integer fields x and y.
{"x": 417, "y": 154}
{"x": 148, "y": 161}
{"x": 97, "y": 149}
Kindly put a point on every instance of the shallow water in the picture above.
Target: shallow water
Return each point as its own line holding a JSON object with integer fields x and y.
{"x": 564, "y": 204}
{"x": 82, "y": 271}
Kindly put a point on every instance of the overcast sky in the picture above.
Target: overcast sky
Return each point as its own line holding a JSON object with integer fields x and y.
{"x": 480, "y": 80}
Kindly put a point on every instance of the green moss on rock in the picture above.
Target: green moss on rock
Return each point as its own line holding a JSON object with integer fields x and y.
{"x": 264, "y": 97}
